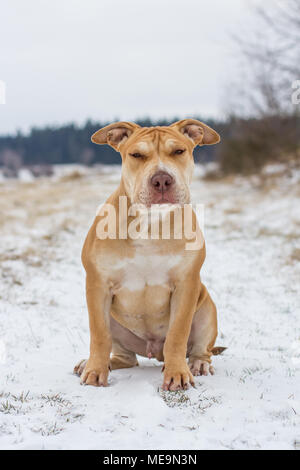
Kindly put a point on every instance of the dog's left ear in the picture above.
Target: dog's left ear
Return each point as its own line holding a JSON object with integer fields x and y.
{"x": 198, "y": 132}
{"x": 115, "y": 134}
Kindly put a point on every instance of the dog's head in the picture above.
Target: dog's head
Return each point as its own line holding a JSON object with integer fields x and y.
{"x": 157, "y": 161}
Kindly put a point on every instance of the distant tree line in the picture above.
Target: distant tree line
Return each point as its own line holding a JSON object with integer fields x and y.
{"x": 72, "y": 144}
{"x": 247, "y": 145}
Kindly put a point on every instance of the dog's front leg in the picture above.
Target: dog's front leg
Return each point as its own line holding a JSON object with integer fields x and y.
{"x": 177, "y": 374}
{"x": 99, "y": 301}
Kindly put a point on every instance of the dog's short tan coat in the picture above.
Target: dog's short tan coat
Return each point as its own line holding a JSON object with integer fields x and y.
{"x": 145, "y": 296}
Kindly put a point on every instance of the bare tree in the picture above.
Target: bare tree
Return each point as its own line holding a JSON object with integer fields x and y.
{"x": 11, "y": 159}
{"x": 87, "y": 156}
{"x": 271, "y": 55}
{"x": 264, "y": 124}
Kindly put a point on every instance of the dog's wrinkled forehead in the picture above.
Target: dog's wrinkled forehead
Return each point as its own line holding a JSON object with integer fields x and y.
{"x": 156, "y": 139}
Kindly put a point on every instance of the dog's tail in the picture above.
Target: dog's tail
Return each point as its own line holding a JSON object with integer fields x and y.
{"x": 218, "y": 350}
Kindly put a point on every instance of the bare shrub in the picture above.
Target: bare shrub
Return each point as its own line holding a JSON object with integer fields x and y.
{"x": 252, "y": 143}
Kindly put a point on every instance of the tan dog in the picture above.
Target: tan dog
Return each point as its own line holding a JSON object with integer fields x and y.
{"x": 145, "y": 296}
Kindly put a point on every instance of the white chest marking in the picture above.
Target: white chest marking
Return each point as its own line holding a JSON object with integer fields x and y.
{"x": 146, "y": 270}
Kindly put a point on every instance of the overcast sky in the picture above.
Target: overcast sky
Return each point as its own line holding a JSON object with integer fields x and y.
{"x": 69, "y": 60}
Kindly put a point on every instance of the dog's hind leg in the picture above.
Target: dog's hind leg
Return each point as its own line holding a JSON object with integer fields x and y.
{"x": 125, "y": 346}
{"x": 203, "y": 335}
{"x": 121, "y": 357}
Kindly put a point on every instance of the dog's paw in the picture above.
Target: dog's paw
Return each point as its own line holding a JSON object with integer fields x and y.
{"x": 78, "y": 369}
{"x": 177, "y": 377}
{"x": 92, "y": 372}
{"x": 199, "y": 367}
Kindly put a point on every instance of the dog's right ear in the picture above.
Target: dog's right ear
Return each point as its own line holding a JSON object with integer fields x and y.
{"x": 198, "y": 132}
{"x": 115, "y": 134}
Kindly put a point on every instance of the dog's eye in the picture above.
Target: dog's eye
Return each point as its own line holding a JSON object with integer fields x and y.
{"x": 179, "y": 151}
{"x": 136, "y": 155}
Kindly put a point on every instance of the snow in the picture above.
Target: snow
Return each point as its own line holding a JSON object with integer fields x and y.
{"x": 252, "y": 270}
{"x": 25, "y": 175}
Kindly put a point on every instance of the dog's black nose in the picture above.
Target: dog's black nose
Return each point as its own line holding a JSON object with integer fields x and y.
{"x": 162, "y": 181}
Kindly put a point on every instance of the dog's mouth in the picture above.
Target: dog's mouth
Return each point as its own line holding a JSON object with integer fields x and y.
{"x": 164, "y": 199}
{"x": 168, "y": 198}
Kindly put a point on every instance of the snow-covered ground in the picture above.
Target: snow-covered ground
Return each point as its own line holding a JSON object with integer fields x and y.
{"x": 252, "y": 270}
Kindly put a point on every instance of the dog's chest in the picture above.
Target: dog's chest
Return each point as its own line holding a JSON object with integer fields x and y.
{"x": 145, "y": 269}
{"x": 142, "y": 291}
